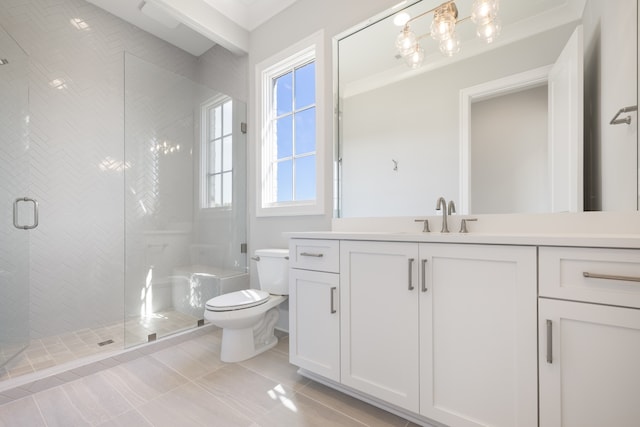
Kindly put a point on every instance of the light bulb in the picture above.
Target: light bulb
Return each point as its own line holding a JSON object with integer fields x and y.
{"x": 450, "y": 46}
{"x": 406, "y": 41}
{"x": 415, "y": 57}
{"x": 401, "y": 19}
{"x": 443, "y": 26}
{"x": 484, "y": 11}
{"x": 490, "y": 31}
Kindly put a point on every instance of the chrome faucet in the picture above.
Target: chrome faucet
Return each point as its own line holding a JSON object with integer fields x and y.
{"x": 452, "y": 207}
{"x": 441, "y": 204}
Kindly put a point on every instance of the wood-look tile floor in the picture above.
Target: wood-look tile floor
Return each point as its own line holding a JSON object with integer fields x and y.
{"x": 187, "y": 385}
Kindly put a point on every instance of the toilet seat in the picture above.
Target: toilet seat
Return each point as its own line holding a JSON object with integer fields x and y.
{"x": 238, "y": 300}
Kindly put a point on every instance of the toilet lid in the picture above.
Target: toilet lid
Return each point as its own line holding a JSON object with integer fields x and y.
{"x": 238, "y": 300}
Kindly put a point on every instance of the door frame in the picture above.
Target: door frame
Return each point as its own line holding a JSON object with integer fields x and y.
{"x": 503, "y": 86}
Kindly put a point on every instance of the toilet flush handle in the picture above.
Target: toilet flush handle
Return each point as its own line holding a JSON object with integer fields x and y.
{"x": 255, "y": 258}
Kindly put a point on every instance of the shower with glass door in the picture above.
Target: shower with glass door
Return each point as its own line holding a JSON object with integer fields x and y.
{"x": 15, "y": 219}
{"x": 107, "y": 242}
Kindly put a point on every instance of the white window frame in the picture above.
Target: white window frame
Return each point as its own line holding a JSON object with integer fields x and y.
{"x": 204, "y": 153}
{"x": 311, "y": 48}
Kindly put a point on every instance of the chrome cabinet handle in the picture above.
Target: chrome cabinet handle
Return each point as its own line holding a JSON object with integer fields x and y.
{"x": 35, "y": 213}
{"x": 610, "y": 277}
{"x": 424, "y": 275}
{"x": 410, "y": 275}
{"x": 311, "y": 254}
{"x": 549, "y": 341}
{"x": 333, "y": 307}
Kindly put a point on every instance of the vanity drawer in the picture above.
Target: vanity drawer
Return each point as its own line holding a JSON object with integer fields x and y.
{"x": 312, "y": 254}
{"x": 604, "y": 276}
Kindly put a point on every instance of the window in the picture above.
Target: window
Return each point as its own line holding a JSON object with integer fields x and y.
{"x": 217, "y": 154}
{"x": 291, "y": 146}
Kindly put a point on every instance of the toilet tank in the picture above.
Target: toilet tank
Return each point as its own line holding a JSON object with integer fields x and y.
{"x": 273, "y": 270}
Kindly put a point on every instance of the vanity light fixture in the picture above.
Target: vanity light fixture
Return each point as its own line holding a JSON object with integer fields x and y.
{"x": 484, "y": 13}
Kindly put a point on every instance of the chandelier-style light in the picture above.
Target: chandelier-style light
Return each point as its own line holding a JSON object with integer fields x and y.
{"x": 484, "y": 13}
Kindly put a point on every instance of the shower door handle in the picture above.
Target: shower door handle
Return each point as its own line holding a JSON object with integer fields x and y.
{"x": 15, "y": 213}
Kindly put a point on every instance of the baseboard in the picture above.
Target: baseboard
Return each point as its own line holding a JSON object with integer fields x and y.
{"x": 410, "y": 416}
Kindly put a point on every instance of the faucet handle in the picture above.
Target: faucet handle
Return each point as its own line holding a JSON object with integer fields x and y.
{"x": 425, "y": 229}
{"x": 463, "y": 224}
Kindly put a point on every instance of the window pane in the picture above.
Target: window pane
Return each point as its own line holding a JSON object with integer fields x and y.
{"x": 227, "y": 188}
{"x": 306, "y": 178}
{"x": 227, "y": 153}
{"x": 216, "y": 122}
{"x": 305, "y": 90}
{"x": 283, "y": 94}
{"x": 306, "y": 131}
{"x": 284, "y": 137}
{"x": 284, "y": 181}
{"x": 215, "y": 156}
{"x": 227, "y": 117}
{"x": 215, "y": 190}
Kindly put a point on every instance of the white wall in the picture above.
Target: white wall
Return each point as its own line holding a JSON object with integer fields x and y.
{"x": 611, "y": 151}
{"x": 509, "y": 155}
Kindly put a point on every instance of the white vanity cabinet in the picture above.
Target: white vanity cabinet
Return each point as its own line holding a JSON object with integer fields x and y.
{"x": 314, "y": 303}
{"x": 444, "y": 330}
{"x": 379, "y": 329}
{"x": 589, "y": 341}
{"x": 492, "y": 331}
{"x": 478, "y": 323}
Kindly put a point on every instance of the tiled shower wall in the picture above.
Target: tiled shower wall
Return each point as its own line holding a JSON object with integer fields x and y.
{"x": 76, "y": 73}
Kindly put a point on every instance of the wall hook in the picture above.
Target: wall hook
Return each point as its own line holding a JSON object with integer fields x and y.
{"x": 395, "y": 165}
{"x": 627, "y": 120}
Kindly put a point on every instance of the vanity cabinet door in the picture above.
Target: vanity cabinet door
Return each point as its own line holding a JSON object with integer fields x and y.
{"x": 589, "y": 365}
{"x": 379, "y": 327}
{"x": 314, "y": 335}
{"x": 478, "y": 345}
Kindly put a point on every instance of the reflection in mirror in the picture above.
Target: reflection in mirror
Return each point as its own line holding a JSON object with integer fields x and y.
{"x": 408, "y": 136}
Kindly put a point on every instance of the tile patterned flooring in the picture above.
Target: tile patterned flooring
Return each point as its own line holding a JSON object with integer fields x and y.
{"x": 187, "y": 385}
{"x": 57, "y": 350}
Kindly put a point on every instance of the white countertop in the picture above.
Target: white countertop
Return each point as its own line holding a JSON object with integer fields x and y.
{"x": 533, "y": 239}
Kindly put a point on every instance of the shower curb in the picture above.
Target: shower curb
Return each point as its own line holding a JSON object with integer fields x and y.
{"x": 26, "y": 385}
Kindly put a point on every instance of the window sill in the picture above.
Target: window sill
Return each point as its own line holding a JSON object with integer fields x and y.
{"x": 290, "y": 210}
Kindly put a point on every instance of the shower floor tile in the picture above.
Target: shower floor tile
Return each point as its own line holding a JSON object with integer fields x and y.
{"x": 56, "y": 350}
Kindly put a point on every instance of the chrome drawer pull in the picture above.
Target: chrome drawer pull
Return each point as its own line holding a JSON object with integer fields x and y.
{"x": 424, "y": 275}
{"x": 549, "y": 341}
{"x": 311, "y": 254}
{"x": 410, "y": 274}
{"x": 333, "y": 306}
{"x": 611, "y": 277}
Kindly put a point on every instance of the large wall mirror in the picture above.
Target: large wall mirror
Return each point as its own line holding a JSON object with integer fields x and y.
{"x": 521, "y": 125}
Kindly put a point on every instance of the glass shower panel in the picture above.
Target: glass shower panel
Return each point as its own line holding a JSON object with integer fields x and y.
{"x": 14, "y": 180}
{"x": 176, "y": 255}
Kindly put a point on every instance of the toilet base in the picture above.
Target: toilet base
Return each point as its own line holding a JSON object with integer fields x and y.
{"x": 242, "y": 344}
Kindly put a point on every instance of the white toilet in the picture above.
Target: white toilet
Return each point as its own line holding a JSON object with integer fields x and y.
{"x": 248, "y": 317}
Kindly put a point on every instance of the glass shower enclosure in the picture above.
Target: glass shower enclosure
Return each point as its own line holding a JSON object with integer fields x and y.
{"x": 129, "y": 245}
{"x": 17, "y": 213}
{"x": 182, "y": 245}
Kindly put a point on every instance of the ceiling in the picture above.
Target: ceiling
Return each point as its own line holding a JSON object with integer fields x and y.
{"x": 197, "y": 25}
